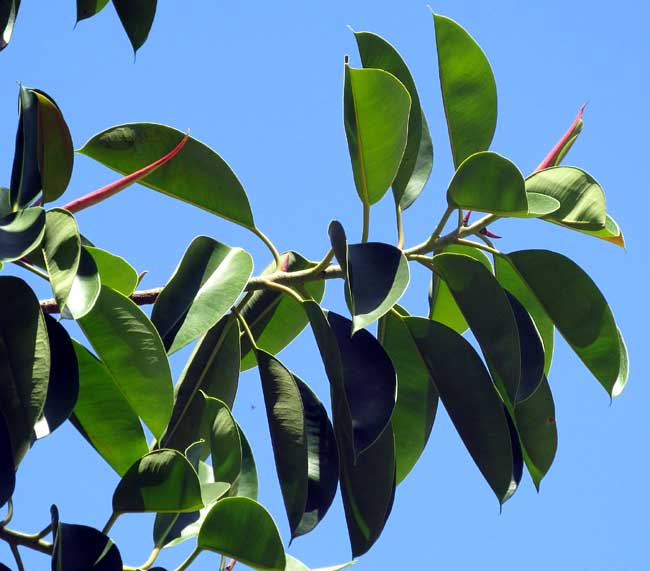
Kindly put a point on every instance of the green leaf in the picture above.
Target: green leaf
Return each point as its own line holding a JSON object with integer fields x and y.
{"x": 242, "y": 529}
{"x": 85, "y": 289}
{"x": 63, "y": 385}
{"x": 24, "y": 362}
{"x": 417, "y": 397}
{"x": 376, "y": 276}
{"x": 61, "y": 252}
{"x": 21, "y": 232}
{"x": 610, "y": 233}
{"x": 493, "y": 324}
{"x": 136, "y": 17}
{"x": 582, "y": 200}
{"x": 579, "y": 311}
{"x": 491, "y": 183}
{"x": 7, "y": 468}
{"x": 8, "y": 14}
{"x": 225, "y": 444}
{"x": 376, "y": 108}
{"x": 25, "y": 175}
{"x": 246, "y": 486}
{"x": 115, "y": 272}
{"x": 511, "y": 281}
{"x": 415, "y": 168}
{"x": 88, "y": 8}
{"x": 196, "y": 174}
{"x": 129, "y": 345}
{"x": 55, "y": 150}
{"x": 540, "y": 205}
{"x": 294, "y": 565}
{"x": 104, "y": 416}
{"x": 469, "y": 93}
{"x": 469, "y": 396}
{"x": 160, "y": 481}
{"x": 442, "y": 306}
{"x": 213, "y": 368}
{"x": 274, "y": 318}
{"x": 205, "y": 285}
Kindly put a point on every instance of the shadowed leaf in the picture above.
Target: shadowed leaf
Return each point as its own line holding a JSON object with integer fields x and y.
{"x": 136, "y": 17}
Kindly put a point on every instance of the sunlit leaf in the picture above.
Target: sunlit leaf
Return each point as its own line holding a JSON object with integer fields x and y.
{"x": 115, "y": 272}
{"x": 85, "y": 289}
{"x": 610, "y": 233}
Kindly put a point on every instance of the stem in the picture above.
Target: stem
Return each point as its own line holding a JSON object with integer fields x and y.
{"x": 10, "y": 513}
{"x": 285, "y": 289}
{"x": 485, "y": 239}
{"x": 27, "y": 266}
{"x": 247, "y": 330}
{"x": 152, "y": 559}
{"x": 270, "y": 246}
{"x": 16, "y": 554}
{"x": 400, "y": 226}
{"x": 366, "y": 223}
{"x": 110, "y": 523}
{"x": 478, "y": 246}
{"x": 324, "y": 263}
{"x": 17, "y": 538}
{"x": 441, "y": 224}
{"x": 191, "y": 557}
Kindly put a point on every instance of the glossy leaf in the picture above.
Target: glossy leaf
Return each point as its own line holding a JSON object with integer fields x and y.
{"x": 136, "y": 17}
{"x": 491, "y": 183}
{"x": 540, "y": 205}
{"x": 610, "y": 233}
{"x": 7, "y": 469}
{"x": 24, "y": 362}
{"x": 205, "y": 285}
{"x": 225, "y": 444}
{"x": 473, "y": 404}
{"x": 417, "y": 397}
{"x": 213, "y": 368}
{"x": 468, "y": 89}
{"x": 161, "y": 481}
{"x": 493, "y": 324}
{"x": 582, "y": 200}
{"x": 276, "y": 319}
{"x": 115, "y": 272}
{"x": 376, "y": 108}
{"x": 105, "y": 417}
{"x": 88, "y": 8}
{"x": 85, "y": 289}
{"x": 415, "y": 168}
{"x": 442, "y": 306}
{"x": 129, "y": 345}
{"x": 228, "y": 530}
{"x": 25, "y": 175}
{"x": 8, "y": 14}
{"x": 247, "y": 484}
{"x": 63, "y": 385}
{"x": 21, "y": 232}
{"x": 83, "y": 548}
{"x": 55, "y": 151}
{"x": 196, "y": 175}
{"x": 376, "y": 276}
{"x": 579, "y": 311}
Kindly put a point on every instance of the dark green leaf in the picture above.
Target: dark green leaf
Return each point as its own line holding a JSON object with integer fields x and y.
{"x": 467, "y": 392}
{"x": 196, "y": 174}
{"x": 115, "y": 272}
{"x": 63, "y": 386}
{"x": 493, "y": 324}
{"x": 491, "y": 183}
{"x": 161, "y": 481}
{"x": 242, "y": 529}
{"x": 205, "y": 285}
{"x": 7, "y": 469}
{"x": 82, "y": 548}
{"x": 376, "y": 276}
{"x": 417, "y": 397}
{"x": 88, "y": 8}
{"x": 21, "y": 232}
{"x": 129, "y": 345}
{"x": 24, "y": 362}
{"x": 25, "y": 175}
{"x": 225, "y": 444}
{"x": 579, "y": 311}
{"x": 246, "y": 486}
{"x": 8, "y": 14}
{"x": 136, "y": 17}
{"x": 469, "y": 92}
{"x": 417, "y": 161}
{"x": 104, "y": 416}
{"x": 213, "y": 368}
{"x": 376, "y": 108}
{"x": 276, "y": 319}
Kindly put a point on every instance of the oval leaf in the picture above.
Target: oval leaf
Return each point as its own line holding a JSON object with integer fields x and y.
{"x": 79, "y": 547}
{"x": 225, "y": 444}
{"x": 205, "y": 285}
{"x": 196, "y": 175}
{"x": 88, "y": 8}
{"x": 246, "y": 485}
{"x": 25, "y": 174}
{"x": 21, "y": 232}
{"x": 85, "y": 289}
{"x": 114, "y": 272}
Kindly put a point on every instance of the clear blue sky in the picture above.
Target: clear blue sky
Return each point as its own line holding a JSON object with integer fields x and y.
{"x": 261, "y": 83}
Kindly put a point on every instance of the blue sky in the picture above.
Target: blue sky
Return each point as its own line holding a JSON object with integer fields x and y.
{"x": 261, "y": 84}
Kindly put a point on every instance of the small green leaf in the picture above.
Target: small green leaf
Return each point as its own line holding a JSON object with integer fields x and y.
{"x": 276, "y": 319}
{"x": 415, "y": 168}
{"x": 115, "y": 272}
{"x": 469, "y": 396}
{"x": 136, "y": 17}
{"x": 417, "y": 397}
{"x": 8, "y": 15}
{"x": 205, "y": 285}
{"x": 129, "y": 345}
{"x": 196, "y": 175}
{"x": 582, "y": 200}
{"x": 213, "y": 368}
{"x": 24, "y": 362}
{"x": 579, "y": 311}
{"x": 225, "y": 444}
{"x": 161, "y": 481}
{"x": 376, "y": 276}
{"x": 376, "y": 108}
{"x": 104, "y": 416}
{"x": 7, "y": 468}
{"x": 491, "y": 183}
{"x": 21, "y": 232}
{"x": 25, "y": 174}
{"x": 88, "y": 8}
{"x": 242, "y": 529}
{"x": 540, "y": 205}
{"x": 469, "y": 93}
